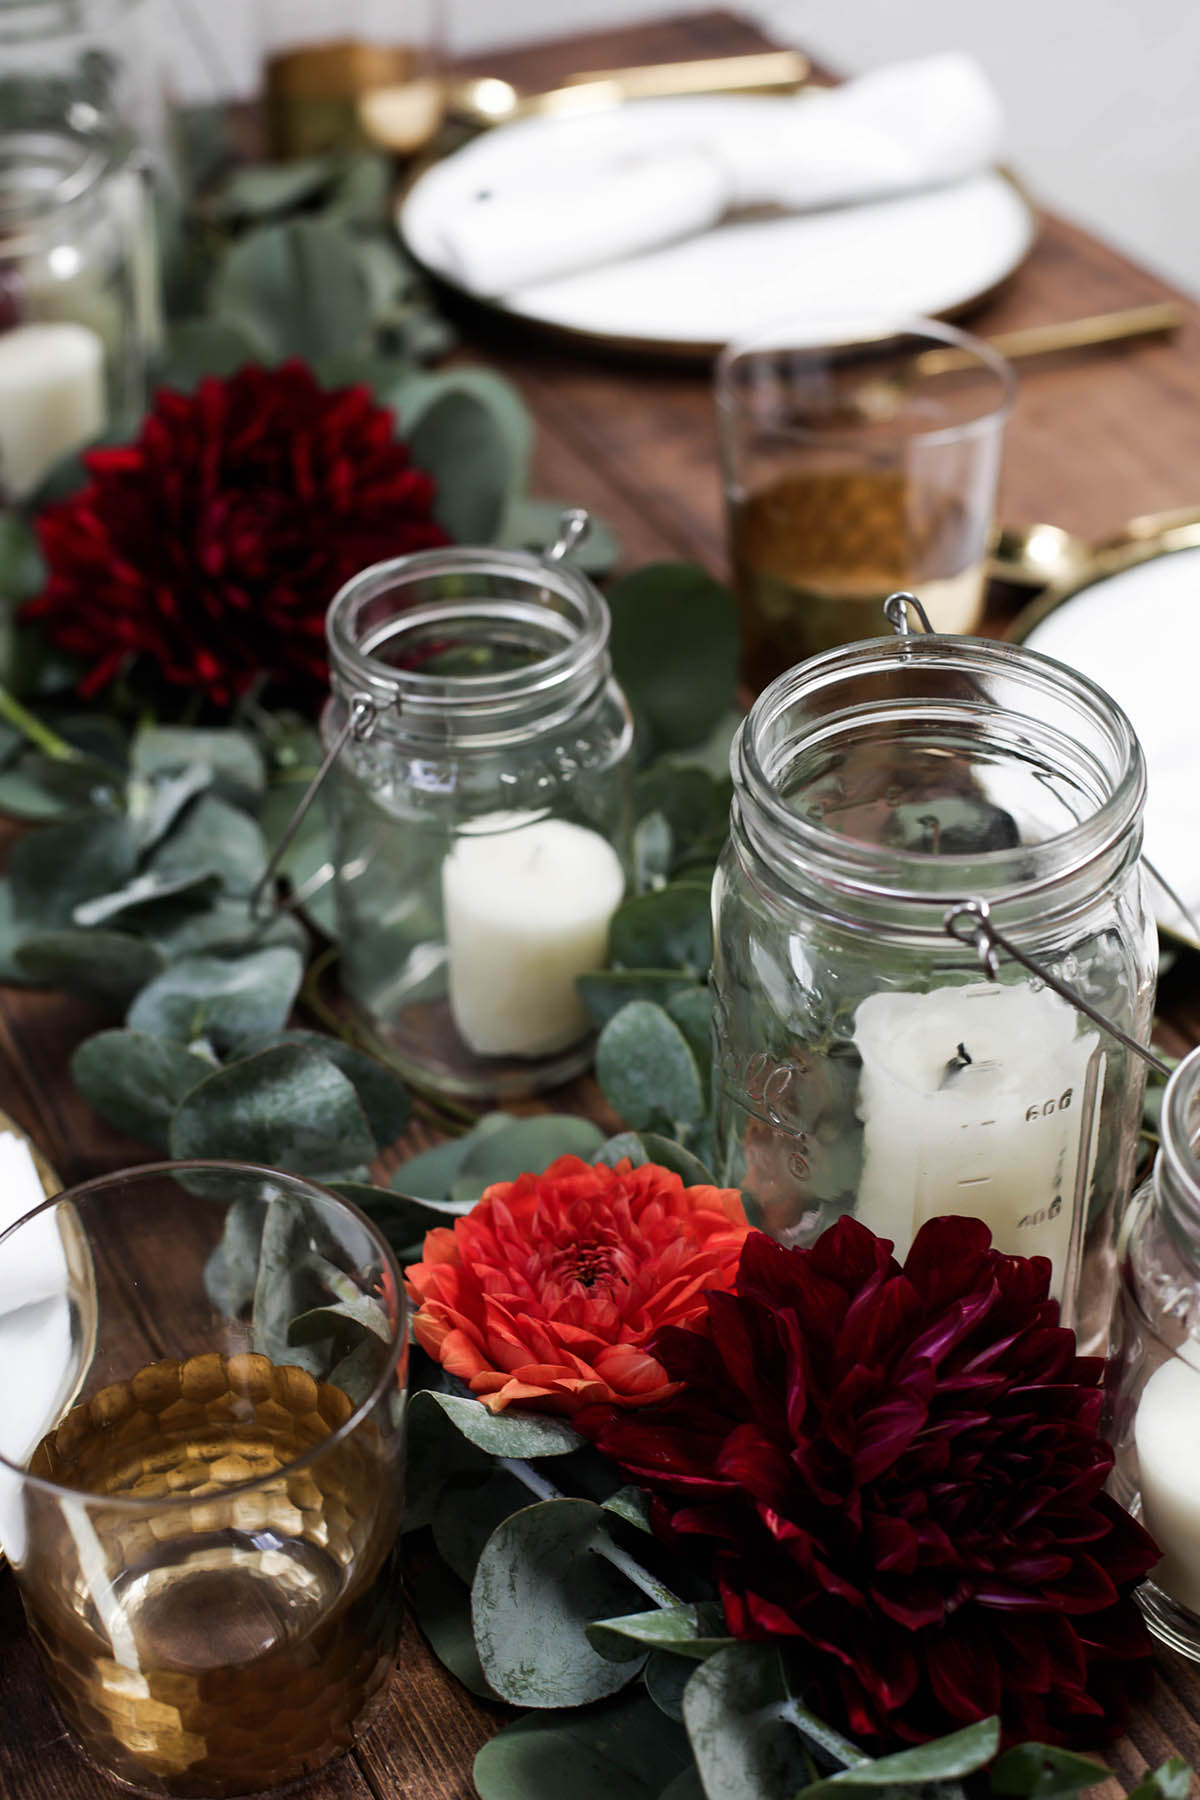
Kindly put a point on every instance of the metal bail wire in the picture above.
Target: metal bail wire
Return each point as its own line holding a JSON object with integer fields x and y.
{"x": 969, "y": 922}
{"x": 360, "y": 723}
{"x": 895, "y": 611}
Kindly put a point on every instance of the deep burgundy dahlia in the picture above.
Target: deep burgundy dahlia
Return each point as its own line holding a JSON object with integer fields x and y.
{"x": 212, "y": 546}
{"x": 898, "y": 1471}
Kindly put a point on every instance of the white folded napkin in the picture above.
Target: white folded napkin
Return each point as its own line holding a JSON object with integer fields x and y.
{"x": 611, "y": 194}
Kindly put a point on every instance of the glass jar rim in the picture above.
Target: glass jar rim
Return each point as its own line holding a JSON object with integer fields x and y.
{"x": 386, "y": 1378}
{"x": 409, "y": 692}
{"x": 876, "y": 872}
{"x": 870, "y": 331}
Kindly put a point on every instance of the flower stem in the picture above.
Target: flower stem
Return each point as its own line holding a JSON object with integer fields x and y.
{"x": 602, "y": 1544}
{"x": 32, "y": 727}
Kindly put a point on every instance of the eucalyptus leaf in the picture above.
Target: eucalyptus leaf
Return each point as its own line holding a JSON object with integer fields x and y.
{"x": 434, "y": 1454}
{"x": 144, "y": 890}
{"x": 355, "y": 1373}
{"x": 669, "y": 929}
{"x": 262, "y": 190}
{"x": 12, "y": 932}
{"x": 524, "y": 1146}
{"x": 733, "y": 1708}
{"x": 22, "y": 571}
{"x": 224, "y": 1000}
{"x": 218, "y": 927}
{"x": 401, "y": 1218}
{"x": 510, "y": 1434}
{"x": 296, "y": 289}
{"x": 670, "y": 1155}
{"x": 666, "y": 1678}
{"x": 155, "y": 805}
{"x": 459, "y": 441}
{"x": 646, "y": 1069}
{"x": 692, "y": 1011}
{"x": 341, "y": 1317}
{"x": 605, "y": 991}
{"x": 675, "y": 649}
{"x": 538, "y": 1585}
{"x": 112, "y": 965}
{"x": 944, "y": 1759}
{"x": 283, "y": 1277}
{"x": 201, "y": 348}
{"x": 631, "y": 1504}
{"x": 40, "y": 788}
{"x": 689, "y": 1631}
{"x": 694, "y": 804}
{"x": 213, "y": 838}
{"x": 653, "y": 852}
{"x": 1038, "y": 1771}
{"x": 431, "y": 1173}
{"x": 1172, "y": 1780}
{"x": 57, "y": 868}
{"x": 231, "y": 1272}
{"x": 469, "y": 1512}
{"x": 441, "y": 1605}
{"x": 625, "y": 1749}
{"x": 626, "y": 1146}
{"x": 382, "y": 1095}
{"x": 136, "y": 1082}
{"x": 234, "y": 758}
{"x": 288, "y": 1108}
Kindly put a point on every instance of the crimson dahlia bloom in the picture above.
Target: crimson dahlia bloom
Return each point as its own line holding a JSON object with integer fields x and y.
{"x": 548, "y": 1292}
{"x": 211, "y": 547}
{"x": 898, "y": 1473}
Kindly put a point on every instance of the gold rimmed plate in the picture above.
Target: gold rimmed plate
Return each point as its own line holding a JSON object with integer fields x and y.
{"x": 933, "y": 253}
{"x": 1132, "y": 623}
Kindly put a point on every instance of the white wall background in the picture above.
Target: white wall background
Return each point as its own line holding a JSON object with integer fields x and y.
{"x": 1101, "y": 94}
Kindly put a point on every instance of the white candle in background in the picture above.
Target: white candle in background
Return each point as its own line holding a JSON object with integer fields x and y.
{"x": 527, "y": 907}
{"x": 51, "y": 399}
{"x": 1167, "y": 1435}
{"x": 972, "y": 1102}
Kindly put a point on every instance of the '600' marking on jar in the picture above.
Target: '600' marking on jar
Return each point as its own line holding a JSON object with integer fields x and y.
{"x": 1049, "y": 1107}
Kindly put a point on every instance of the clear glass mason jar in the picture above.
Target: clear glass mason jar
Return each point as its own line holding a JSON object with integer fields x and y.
{"x": 1154, "y": 1392}
{"x": 75, "y": 238}
{"x": 480, "y": 809}
{"x": 61, "y": 60}
{"x": 864, "y": 1062}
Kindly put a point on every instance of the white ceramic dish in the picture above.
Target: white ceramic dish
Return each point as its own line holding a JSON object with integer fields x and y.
{"x": 1137, "y": 633}
{"x": 927, "y": 253}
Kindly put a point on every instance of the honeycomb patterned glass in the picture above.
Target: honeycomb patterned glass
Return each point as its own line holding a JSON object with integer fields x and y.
{"x": 854, "y": 469}
{"x": 201, "y": 1470}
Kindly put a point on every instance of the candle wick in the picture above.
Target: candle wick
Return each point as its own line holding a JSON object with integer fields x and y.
{"x": 962, "y": 1059}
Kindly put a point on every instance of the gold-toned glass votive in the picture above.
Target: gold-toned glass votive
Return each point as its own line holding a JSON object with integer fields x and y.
{"x": 200, "y": 1469}
{"x": 336, "y": 74}
{"x": 853, "y": 469}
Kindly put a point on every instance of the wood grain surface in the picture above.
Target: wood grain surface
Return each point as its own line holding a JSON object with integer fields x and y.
{"x": 1094, "y": 439}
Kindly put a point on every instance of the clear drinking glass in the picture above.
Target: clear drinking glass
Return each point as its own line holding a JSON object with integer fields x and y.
{"x": 1154, "y": 1390}
{"x": 864, "y": 1062}
{"x": 480, "y": 810}
{"x": 201, "y": 1430}
{"x": 336, "y": 71}
{"x": 853, "y": 469}
{"x": 78, "y": 298}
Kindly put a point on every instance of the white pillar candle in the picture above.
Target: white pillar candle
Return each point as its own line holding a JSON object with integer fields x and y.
{"x": 1167, "y": 1435}
{"x": 972, "y": 1102}
{"x": 527, "y": 909}
{"x": 51, "y": 399}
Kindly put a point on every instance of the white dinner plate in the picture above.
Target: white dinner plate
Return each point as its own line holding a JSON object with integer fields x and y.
{"x": 1137, "y": 633}
{"x": 927, "y": 253}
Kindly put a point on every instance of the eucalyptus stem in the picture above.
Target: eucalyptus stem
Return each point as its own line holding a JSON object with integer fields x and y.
{"x": 32, "y": 727}
{"x": 603, "y": 1545}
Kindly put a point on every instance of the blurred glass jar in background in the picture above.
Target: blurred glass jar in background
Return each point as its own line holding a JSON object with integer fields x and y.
{"x": 69, "y": 62}
{"x": 1154, "y": 1396}
{"x": 336, "y": 72}
{"x": 853, "y": 468}
{"x": 75, "y": 248}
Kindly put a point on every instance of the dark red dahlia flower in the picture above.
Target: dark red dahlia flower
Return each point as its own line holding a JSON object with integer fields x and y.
{"x": 898, "y": 1473}
{"x": 212, "y": 546}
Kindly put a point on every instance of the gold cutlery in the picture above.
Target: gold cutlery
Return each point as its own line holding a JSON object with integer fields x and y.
{"x": 485, "y": 100}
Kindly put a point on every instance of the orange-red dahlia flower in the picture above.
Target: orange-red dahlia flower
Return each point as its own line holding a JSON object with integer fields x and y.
{"x": 549, "y": 1290}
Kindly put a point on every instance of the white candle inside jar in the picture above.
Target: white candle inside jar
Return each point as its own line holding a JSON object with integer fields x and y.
{"x": 527, "y": 905}
{"x": 1167, "y": 1435}
{"x": 51, "y": 399}
{"x": 973, "y": 1102}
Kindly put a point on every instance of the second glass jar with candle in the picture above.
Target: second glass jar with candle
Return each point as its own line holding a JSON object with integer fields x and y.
{"x": 865, "y": 1063}
{"x": 481, "y": 814}
{"x": 1154, "y": 1395}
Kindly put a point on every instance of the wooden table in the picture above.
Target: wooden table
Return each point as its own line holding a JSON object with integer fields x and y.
{"x": 1093, "y": 441}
